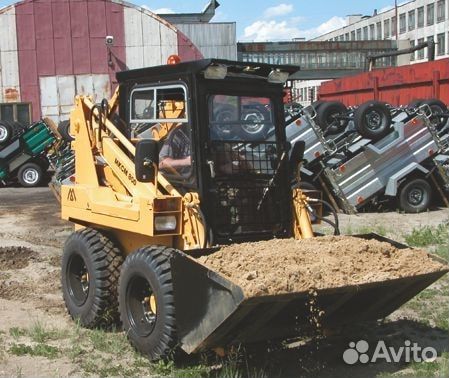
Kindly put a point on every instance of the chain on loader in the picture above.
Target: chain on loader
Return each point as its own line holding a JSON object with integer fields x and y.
{"x": 182, "y": 159}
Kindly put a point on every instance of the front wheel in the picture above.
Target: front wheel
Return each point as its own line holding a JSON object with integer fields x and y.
{"x": 373, "y": 120}
{"x": 146, "y": 301}
{"x": 415, "y": 196}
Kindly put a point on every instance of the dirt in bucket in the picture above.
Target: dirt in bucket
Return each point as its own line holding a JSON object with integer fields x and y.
{"x": 286, "y": 265}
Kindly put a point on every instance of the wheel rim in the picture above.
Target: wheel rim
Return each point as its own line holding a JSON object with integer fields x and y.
{"x": 3, "y": 133}
{"x": 373, "y": 120}
{"x": 256, "y": 124}
{"x": 141, "y": 306}
{"x": 30, "y": 176}
{"x": 416, "y": 196}
{"x": 78, "y": 279}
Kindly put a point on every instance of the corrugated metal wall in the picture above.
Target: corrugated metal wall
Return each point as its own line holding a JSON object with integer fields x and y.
{"x": 9, "y": 58}
{"x": 397, "y": 85}
{"x": 217, "y": 40}
{"x": 51, "y": 50}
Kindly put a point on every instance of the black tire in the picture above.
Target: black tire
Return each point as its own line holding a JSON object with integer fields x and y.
{"x": 260, "y": 123}
{"x": 90, "y": 272}
{"x": 317, "y": 104}
{"x": 437, "y": 107}
{"x": 327, "y": 117}
{"x": 223, "y": 115}
{"x": 64, "y": 128}
{"x": 415, "y": 195}
{"x": 146, "y": 302}
{"x": 372, "y": 120}
{"x": 306, "y": 185}
{"x": 6, "y": 132}
{"x": 30, "y": 175}
{"x": 415, "y": 104}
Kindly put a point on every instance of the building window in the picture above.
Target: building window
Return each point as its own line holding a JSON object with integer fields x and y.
{"x": 430, "y": 39}
{"x": 16, "y": 111}
{"x": 353, "y": 35}
{"x": 441, "y": 13}
{"x": 359, "y": 34}
{"x": 412, "y": 55}
{"x": 379, "y": 31}
{"x": 387, "y": 29}
{"x": 347, "y": 37}
{"x": 441, "y": 44}
{"x": 420, "y": 51}
{"x": 393, "y": 26}
{"x": 402, "y": 23}
{"x": 420, "y": 17}
{"x": 411, "y": 20}
{"x": 430, "y": 14}
{"x": 372, "y": 34}
{"x": 365, "y": 33}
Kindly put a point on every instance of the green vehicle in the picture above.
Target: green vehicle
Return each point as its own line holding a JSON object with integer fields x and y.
{"x": 23, "y": 152}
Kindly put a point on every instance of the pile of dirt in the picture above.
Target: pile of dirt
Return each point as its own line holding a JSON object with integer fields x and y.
{"x": 16, "y": 257}
{"x": 286, "y": 265}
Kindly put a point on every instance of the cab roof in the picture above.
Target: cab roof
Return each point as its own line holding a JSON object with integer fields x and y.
{"x": 194, "y": 67}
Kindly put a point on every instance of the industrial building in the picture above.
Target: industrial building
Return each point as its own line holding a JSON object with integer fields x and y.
{"x": 51, "y": 50}
{"x": 415, "y": 22}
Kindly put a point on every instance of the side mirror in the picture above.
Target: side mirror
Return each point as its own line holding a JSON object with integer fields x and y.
{"x": 296, "y": 156}
{"x": 146, "y": 160}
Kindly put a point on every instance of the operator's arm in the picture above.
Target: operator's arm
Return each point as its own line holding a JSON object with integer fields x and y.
{"x": 169, "y": 162}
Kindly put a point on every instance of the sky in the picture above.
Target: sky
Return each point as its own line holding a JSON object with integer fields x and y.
{"x": 271, "y": 20}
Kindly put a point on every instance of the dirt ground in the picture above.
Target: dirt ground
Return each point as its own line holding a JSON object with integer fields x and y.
{"x": 32, "y": 236}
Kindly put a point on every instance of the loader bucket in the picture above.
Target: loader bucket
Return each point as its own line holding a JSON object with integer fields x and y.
{"x": 212, "y": 311}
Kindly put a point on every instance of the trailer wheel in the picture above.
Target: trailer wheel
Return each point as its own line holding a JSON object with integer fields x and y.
{"x": 437, "y": 107}
{"x": 64, "y": 128}
{"x": 30, "y": 175}
{"x": 146, "y": 301}
{"x": 328, "y": 117}
{"x": 89, "y": 276}
{"x": 372, "y": 120}
{"x": 415, "y": 196}
{"x": 317, "y": 104}
{"x": 6, "y": 132}
{"x": 258, "y": 123}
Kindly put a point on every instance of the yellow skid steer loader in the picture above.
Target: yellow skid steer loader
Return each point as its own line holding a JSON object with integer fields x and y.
{"x": 184, "y": 158}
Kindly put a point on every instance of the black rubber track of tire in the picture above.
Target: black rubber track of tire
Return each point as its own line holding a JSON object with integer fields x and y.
{"x": 10, "y": 129}
{"x": 156, "y": 257}
{"x": 107, "y": 259}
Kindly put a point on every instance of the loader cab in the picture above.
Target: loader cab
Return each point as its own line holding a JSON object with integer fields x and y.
{"x": 225, "y": 138}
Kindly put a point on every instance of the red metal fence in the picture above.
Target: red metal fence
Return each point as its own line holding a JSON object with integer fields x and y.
{"x": 397, "y": 86}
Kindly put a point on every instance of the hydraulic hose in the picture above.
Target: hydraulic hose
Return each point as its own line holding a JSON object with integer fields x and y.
{"x": 334, "y": 224}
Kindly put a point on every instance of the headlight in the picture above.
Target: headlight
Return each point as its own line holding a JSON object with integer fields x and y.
{"x": 165, "y": 223}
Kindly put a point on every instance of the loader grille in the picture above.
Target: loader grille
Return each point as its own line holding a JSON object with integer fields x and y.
{"x": 243, "y": 172}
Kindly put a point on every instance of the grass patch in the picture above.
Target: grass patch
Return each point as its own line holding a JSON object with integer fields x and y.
{"x": 428, "y": 235}
{"x": 377, "y": 229}
{"x": 437, "y": 368}
{"x": 42, "y": 350}
{"x": 17, "y": 332}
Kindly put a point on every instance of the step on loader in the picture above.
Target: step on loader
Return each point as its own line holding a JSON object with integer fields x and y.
{"x": 176, "y": 163}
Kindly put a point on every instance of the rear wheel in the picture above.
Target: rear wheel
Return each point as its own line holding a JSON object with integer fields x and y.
{"x": 415, "y": 196}
{"x": 372, "y": 120}
{"x": 329, "y": 117}
{"x": 90, "y": 271}
{"x": 30, "y": 175}
{"x": 147, "y": 307}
